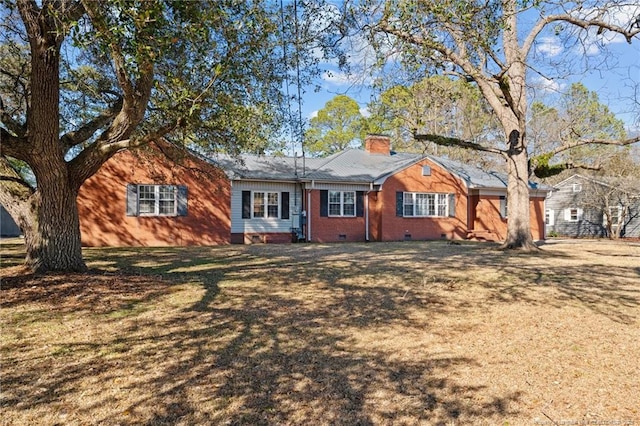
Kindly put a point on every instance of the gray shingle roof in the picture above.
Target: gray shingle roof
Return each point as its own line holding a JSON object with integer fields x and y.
{"x": 352, "y": 166}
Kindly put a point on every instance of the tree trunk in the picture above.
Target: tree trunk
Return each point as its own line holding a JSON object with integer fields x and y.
{"x": 52, "y": 237}
{"x": 519, "y": 219}
{"x": 52, "y": 231}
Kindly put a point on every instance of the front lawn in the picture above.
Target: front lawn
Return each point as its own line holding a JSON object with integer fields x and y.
{"x": 380, "y": 333}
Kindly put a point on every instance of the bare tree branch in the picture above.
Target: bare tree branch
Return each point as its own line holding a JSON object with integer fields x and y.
{"x": 581, "y": 142}
{"x": 447, "y": 141}
{"x": 628, "y": 33}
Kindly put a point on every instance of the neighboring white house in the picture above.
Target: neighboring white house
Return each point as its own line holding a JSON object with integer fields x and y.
{"x": 582, "y": 206}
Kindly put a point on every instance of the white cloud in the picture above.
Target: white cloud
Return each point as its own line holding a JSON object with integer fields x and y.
{"x": 341, "y": 78}
{"x": 549, "y": 46}
{"x": 547, "y": 85}
{"x": 313, "y": 114}
{"x": 365, "y": 112}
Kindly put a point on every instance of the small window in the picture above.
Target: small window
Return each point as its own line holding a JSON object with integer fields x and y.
{"x": 573, "y": 214}
{"x": 577, "y": 187}
{"x": 258, "y": 204}
{"x": 426, "y": 171}
{"x": 266, "y": 204}
{"x": 272, "y": 204}
{"x": 548, "y": 217}
{"x": 504, "y": 207}
{"x": 157, "y": 200}
{"x": 342, "y": 203}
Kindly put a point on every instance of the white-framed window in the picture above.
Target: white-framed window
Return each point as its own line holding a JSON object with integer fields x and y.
{"x": 572, "y": 214}
{"x": 549, "y": 218}
{"x": 266, "y": 204}
{"x": 342, "y": 203}
{"x": 157, "y": 200}
{"x": 576, "y": 187}
{"x": 419, "y": 204}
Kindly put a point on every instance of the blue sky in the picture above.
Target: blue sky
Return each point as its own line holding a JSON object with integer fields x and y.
{"x": 610, "y": 67}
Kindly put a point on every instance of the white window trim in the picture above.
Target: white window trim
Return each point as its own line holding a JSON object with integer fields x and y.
{"x": 550, "y": 215}
{"x": 265, "y": 205}
{"x": 156, "y": 199}
{"x": 342, "y": 204}
{"x": 567, "y": 214}
{"x": 576, "y": 187}
{"x": 437, "y": 202}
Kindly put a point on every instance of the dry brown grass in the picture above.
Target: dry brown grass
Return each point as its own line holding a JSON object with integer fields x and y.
{"x": 398, "y": 333}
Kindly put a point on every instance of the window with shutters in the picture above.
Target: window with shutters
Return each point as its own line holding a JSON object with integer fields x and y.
{"x": 266, "y": 204}
{"x": 418, "y": 204}
{"x": 342, "y": 203}
{"x": 157, "y": 200}
{"x": 573, "y": 214}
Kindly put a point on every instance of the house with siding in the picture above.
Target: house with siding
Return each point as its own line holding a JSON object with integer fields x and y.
{"x": 580, "y": 207}
{"x": 354, "y": 195}
{"x": 8, "y": 227}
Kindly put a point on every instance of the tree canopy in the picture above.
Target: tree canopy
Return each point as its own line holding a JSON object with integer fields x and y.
{"x": 338, "y": 126}
{"x": 436, "y": 105}
{"x": 83, "y": 79}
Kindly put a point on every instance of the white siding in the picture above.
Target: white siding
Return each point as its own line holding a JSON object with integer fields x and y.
{"x": 264, "y": 225}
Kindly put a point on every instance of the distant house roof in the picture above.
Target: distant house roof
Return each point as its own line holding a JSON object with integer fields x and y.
{"x": 608, "y": 181}
{"x": 351, "y": 166}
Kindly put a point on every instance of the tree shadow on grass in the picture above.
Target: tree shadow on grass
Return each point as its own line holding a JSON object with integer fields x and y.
{"x": 282, "y": 335}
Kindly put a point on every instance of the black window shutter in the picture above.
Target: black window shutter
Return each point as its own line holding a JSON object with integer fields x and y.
{"x": 284, "y": 205}
{"x": 452, "y": 205}
{"x": 132, "y": 199}
{"x": 360, "y": 204}
{"x": 183, "y": 193}
{"x": 503, "y": 206}
{"x": 399, "y": 204}
{"x": 324, "y": 203}
{"x": 246, "y": 204}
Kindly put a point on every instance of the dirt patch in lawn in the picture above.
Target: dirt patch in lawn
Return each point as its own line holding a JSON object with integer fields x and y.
{"x": 385, "y": 333}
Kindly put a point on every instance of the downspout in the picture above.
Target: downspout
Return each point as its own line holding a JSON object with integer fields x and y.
{"x": 544, "y": 219}
{"x": 313, "y": 184}
{"x": 469, "y": 224}
{"x": 366, "y": 212}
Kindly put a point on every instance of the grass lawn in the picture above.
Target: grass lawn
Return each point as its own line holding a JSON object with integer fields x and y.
{"x": 380, "y": 333}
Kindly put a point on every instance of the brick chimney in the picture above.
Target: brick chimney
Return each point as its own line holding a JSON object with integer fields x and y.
{"x": 377, "y": 144}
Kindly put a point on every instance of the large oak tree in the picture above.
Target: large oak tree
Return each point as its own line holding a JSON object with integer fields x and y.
{"x": 491, "y": 43}
{"x": 83, "y": 79}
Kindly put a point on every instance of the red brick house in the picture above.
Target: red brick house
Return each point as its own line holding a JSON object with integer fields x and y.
{"x": 142, "y": 198}
{"x": 355, "y": 195}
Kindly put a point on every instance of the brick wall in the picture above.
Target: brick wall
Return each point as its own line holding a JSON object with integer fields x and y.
{"x": 333, "y": 229}
{"x": 102, "y": 203}
{"x": 395, "y": 228}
